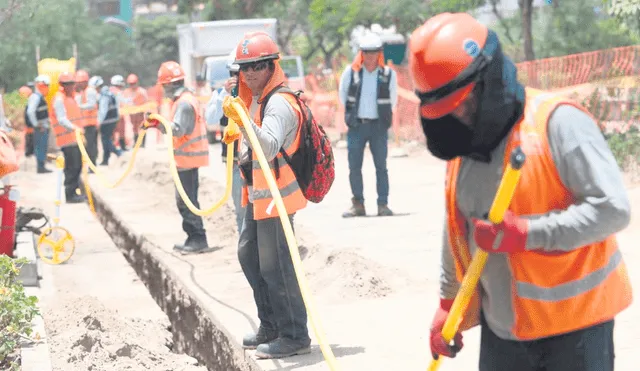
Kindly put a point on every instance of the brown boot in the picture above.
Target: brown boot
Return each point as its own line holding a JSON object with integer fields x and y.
{"x": 383, "y": 210}
{"x": 357, "y": 209}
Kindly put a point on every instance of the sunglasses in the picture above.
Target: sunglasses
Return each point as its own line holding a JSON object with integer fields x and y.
{"x": 256, "y": 66}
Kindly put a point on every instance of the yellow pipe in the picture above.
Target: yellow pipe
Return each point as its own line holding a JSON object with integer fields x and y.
{"x": 469, "y": 283}
{"x": 291, "y": 240}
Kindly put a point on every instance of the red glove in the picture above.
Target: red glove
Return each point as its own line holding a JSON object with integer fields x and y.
{"x": 508, "y": 236}
{"x": 149, "y": 123}
{"x": 438, "y": 345}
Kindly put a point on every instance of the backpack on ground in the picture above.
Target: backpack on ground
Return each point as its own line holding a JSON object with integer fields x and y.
{"x": 313, "y": 162}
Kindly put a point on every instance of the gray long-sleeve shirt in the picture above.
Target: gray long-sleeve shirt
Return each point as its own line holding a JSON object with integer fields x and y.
{"x": 32, "y": 108}
{"x": 278, "y": 130}
{"x": 586, "y": 167}
{"x": 92, "y": 99}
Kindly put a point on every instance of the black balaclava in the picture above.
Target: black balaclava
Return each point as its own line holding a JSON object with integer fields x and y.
{"x": 500, "y": 104}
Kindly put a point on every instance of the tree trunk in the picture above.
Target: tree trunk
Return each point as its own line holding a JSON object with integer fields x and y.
{"x": 526, "y": 11}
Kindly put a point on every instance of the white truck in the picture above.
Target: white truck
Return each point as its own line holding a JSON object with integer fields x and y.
{"x": 204, "y": 49}
{"x": 205, "y": 46}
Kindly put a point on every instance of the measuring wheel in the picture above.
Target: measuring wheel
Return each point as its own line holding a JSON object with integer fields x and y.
{"x": 56, "y": 245}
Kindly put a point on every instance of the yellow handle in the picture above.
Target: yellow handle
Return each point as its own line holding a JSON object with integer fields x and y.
{"x": 291, "y": 240}
{"x": 176, "y": 179}
{"x": 500, "y": 205}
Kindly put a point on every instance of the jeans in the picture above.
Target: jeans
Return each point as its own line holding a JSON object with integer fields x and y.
{"x": 106, "y": 136}
{"x": 264, "y": 257}
{"x": 91, "y": 134}
{"x": 40, "y": 146}
{"x": 589, "y": 349}
{"x": 357, "y": 137}
{"x": 72, "y": 170}
{"x": 236, "y": 195}
{"x": 191, "y": 223}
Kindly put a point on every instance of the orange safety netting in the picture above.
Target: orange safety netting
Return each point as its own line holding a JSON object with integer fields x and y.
{"x": 605, "y": 81}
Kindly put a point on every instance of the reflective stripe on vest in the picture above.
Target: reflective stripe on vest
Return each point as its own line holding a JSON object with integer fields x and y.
{"x": 192, "y": 150}
{"x": 66, "y": 137}
{"x": 112, "y": 115}
{"x": 89, "y": 115}
{"x": 553, "y": 293}
{"x": 292, "y": 196}
{"x": 383, "y": 95}
{"x": 42, "y": 112}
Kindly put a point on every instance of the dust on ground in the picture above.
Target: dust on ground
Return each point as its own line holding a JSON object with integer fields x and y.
{"x": 334, "y": 274}
{"x": 94, "y": 337}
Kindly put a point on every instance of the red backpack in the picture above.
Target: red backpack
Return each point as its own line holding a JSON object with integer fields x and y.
{"x": 313, "y": 162}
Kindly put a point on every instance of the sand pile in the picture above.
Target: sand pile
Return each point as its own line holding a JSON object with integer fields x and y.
{"x": 85, "y": 335}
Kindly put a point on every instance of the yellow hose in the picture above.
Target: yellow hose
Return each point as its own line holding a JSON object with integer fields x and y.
{"x": 501, "y": 202}
{"x": 174, "y": 171}
{"x": 92, "y": 166}
{"x": 291, "y": 240}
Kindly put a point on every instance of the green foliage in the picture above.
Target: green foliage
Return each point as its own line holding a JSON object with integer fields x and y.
{"x": 17, "y": 310}
{"x": 627, "y": 12}
{"x": 625, "y": 146}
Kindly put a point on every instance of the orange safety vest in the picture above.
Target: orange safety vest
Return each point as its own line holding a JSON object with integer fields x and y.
{"x": 191, "y": 150}
{"x": 90, "y": 115}
{"x": 292, "y": 196}
{"x": 139, "y": 95}
{"x": 66, "y": 137}
{"x": 552, "y": 293}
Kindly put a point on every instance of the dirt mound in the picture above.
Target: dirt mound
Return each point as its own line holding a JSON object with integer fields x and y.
{"x": 346, "y": 274}
{"x": 93, "y": 337}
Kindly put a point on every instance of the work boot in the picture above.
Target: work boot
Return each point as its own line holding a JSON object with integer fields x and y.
{"x": 383, "y": 210}
{"x": 263, "y": 336}
{"x": 357, "y": 209}
{"x": 123, "y": 146}
{"x": 180, "y": 246}
{"x": 194, "y": 246}
{"x": 75, "y": 199}
{"x": 283, "y": 347}
{"x": 44, "y": 170}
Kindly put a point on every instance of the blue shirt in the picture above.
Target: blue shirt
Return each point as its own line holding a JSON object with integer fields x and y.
{"x": 368, "y": 108}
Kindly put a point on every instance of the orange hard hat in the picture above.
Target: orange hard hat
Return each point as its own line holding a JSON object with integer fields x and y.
{"x": 170, "y": 72}
{"x": 256, "y": 46}
{"x": 25, "y": 91}
{"x": 66, "y": 78}
{"x": 446, "y": 55}
{"x": 82, "y": 76}
{"x": 132, "y": 79}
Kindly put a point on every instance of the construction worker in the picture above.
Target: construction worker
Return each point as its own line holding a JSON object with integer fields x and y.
{"x": 554, "y": 279}
{"x": 262, "y": 249}
{"x": 25, "y": 92}
{"x": 135, "y": 95}
{"x": 108, "y": 116}
{"x": 117, "y": 87}
{"x": 368, "y": 91}
{"x": 214, "y": 115}
{"x": 87, "y": 99}
{"x": 65, "y": 119}
{"x": 38, "y": 114}
{"x": 190, "y": 148}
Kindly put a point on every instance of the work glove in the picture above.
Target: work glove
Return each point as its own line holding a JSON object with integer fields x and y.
{"x": 438, "y": 345}
{"x": 231, "y": 132}
{"x": 149, "y": 123}
{"x": 230, "y": 112}
{"x": 507, "y": 237}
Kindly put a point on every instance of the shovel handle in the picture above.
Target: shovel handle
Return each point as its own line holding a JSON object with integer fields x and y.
{"x": 500, "y": 204}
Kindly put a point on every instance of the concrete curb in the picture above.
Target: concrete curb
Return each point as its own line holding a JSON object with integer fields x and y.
{"x": 36, "y": 356}
{"x": 195, "y": 329}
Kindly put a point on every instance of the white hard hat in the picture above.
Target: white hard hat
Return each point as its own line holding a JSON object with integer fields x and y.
{"x": 44, "y": 79}
{"x": 117, "y": 80}
{"x": 96, "y": 81}
{"x": 370, "y": 42}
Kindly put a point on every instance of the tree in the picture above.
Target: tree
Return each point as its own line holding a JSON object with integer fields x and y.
{"x": 526, "y": 13}
{"x": 627, "y": 12}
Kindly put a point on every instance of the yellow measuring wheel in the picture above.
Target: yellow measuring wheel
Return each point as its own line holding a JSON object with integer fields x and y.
{"x": 56, "y": 245}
